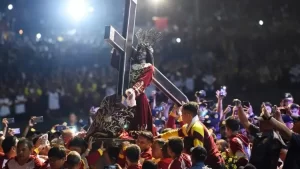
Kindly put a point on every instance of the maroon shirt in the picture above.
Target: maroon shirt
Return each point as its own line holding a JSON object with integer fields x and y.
{"x": 164, "y": 163}
{"x": 181, "y": 162}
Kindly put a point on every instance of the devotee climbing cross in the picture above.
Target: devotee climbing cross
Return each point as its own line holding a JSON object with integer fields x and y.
{"x": 124, "y": 44}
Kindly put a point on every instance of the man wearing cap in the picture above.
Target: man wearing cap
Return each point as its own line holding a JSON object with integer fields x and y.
{"x": 263, "y": 155}
{"x": 196, "y": 134}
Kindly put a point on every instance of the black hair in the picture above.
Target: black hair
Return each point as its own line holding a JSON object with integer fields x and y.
{"x": 79, "y": 142}
{"x": 164, "y": 147}
{"x": 149, "y": 165}
{"x": 73, "y": 113}
{"x": 133, "y": 153}
{"x": 165, "y": 130}
{"x": 232, "y": 124}
{"x": 191, "y": 107}
{"x": 26, "y": 141}
{"x": 35, "y": 138}
{"x": 58, "y": 152}
{"x": 146, "y": 134}
{"x": 248, "y": 166}
{"x": 8, "y": 143}
{"x": 73, "y": 159}
{"x": 165, "y": 151}
{"x": 176, "y": 145}
{"x": 198, "y": 154}
{"x": 160, "y": 142}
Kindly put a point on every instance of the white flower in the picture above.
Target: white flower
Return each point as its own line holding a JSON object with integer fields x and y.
{"x": 107, "y": 118}
{"x": 121, "y": 121}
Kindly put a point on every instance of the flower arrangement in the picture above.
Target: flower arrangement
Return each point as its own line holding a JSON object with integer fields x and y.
{"x": 230, "y": 161}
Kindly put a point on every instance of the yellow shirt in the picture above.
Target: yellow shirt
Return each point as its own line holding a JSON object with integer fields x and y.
{"x": 195, "y": 131}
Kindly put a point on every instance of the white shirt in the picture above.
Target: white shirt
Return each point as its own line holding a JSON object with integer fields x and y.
{"x": 189, "y": 84}
{"x": 20, "y": 107}
{"x": 4, "y": 162}
{"x": 4, "y": 109}
{"x": 53, "y": 101}
{"x": 13, "y": 164}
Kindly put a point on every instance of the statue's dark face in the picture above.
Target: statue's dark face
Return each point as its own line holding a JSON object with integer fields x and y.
{"x": 141, "y": 55}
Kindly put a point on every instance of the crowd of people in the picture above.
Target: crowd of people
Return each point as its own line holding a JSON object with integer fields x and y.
{"x": 196, "y": 135}
{"x": 59, "y": 75}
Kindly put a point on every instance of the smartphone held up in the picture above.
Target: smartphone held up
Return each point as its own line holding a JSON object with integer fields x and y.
{"x": 39, "y": 119}
{"x": 10, "y": 120}
{"x": 223, "y": 91}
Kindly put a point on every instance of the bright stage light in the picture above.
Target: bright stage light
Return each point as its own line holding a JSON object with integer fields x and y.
{"x": 91, "y": 9}
{"x": 77, "y": 9}
{"x": 38, "y": 36}
{"x": 178, "y": 40}
{"x": 60, "y": 39}
{"x": 10, "y": 7}
{"x": 20, "y": 31}
{"x": 261, "y": 22}
{"x": 158, "y": 1}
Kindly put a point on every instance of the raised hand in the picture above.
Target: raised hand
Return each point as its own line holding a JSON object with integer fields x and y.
{"x": 228, "y": 109}
{"x": 218, "y": 95}
{"x": 5, "y": 122}
{"x": 31, "y": 121}
{"x": 91, "y": 142}
{"x": 265, "y": 113}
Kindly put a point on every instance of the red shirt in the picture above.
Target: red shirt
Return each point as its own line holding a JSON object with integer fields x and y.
{"x": 181, "y": 162}
{"x": 93, "y": 157}
{"x": 164, "y": 163}
{"x": 238, "y": 143}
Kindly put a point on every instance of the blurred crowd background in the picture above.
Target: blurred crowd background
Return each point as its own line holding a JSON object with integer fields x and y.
{"x": 53, "y": 59}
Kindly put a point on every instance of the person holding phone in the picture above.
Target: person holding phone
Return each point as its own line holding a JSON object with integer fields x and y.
{"x": 5, "y": 104}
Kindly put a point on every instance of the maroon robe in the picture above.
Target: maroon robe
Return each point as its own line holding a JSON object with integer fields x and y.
{"x": 181, "y": 162}
{"x": 141, "y": 77}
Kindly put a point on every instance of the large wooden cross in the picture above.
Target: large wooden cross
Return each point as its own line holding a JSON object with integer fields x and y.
{"x": 124, "y": 44}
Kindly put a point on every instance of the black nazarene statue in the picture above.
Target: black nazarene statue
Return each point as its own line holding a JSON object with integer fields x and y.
{"x": 111, "y": 118}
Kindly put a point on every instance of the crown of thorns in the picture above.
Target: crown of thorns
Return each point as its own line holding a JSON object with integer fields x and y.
{"x": 148, "y": 37}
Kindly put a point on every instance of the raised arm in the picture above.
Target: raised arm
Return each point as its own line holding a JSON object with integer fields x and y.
{"x": 174, "y": 133}
{"x": 220, "y": 104}
{"x": 242, "y": 116}
{"x": 281, "y": 127}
